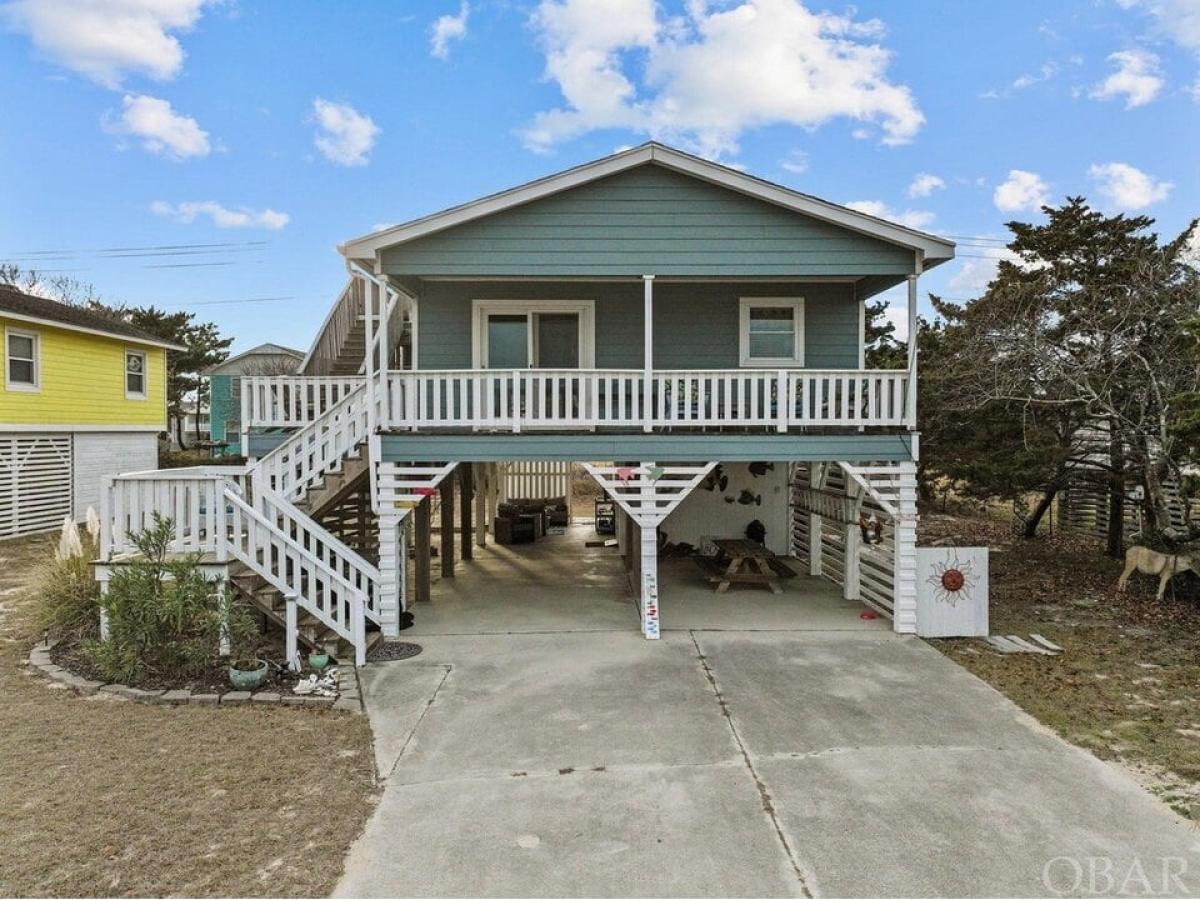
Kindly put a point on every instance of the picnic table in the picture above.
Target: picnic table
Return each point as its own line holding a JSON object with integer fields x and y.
{"x": 749, "y": 563}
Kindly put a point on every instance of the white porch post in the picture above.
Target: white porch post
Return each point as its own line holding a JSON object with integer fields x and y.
{"x": 904, "y": 573}
{"x": 910, "y": 411}
{"x": 369, "y": 289}
{"x": 649, "y": 559}
{"x": 391, "y": 597}
{"x": 385, "y": 307}
{"x": 647, "y": 497}
{"x": 648, "y": 353}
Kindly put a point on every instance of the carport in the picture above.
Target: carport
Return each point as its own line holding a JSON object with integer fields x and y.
{"x": 559, "y": 584}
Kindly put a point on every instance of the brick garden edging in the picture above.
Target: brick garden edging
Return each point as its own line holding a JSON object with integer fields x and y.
{"x": 348, "y": 700}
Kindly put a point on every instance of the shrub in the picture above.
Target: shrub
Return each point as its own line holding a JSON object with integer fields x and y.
{"x": 68, "y": 593}
{"x": 165, "y": 619}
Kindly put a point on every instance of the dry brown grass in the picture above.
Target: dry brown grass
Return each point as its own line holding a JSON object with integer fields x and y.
{"x": 1126, "y": 687}
{"x": 106, "y": 797}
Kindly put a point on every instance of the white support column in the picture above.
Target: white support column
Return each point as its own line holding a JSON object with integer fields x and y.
{"x": 291, "y": 626}
{"x": 648, "y": 352}
{"x": 910, "y": 406}
{"x": 369, "y": 291}
{"x": 648, "y": 494}
{"x": 815, "y": 479}
{"x": 391, "y": 598}
{"x": 904, "y": 574}
{"x": 851, "y": 579}
{"x": 386, "y": 298}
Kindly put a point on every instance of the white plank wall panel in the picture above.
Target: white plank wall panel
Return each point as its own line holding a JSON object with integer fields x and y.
{"x": 35, "y": 482}
{"x": 98, "y": 455}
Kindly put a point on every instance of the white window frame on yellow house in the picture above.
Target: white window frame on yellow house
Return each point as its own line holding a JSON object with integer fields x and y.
{"x": 36, "y": 339}
{"x": 144, "y": 393}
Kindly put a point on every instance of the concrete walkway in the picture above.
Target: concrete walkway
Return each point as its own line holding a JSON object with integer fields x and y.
{"x": 767, "y": 746}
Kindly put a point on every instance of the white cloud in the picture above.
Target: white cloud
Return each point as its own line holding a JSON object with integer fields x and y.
{"x": 1025, "y": 80}
{"x": 221, "y": 216}
{"x": 1177, "y": 19}
{"x": 910, "y": 218}
{"x": 107, "y": 39}
{"x": 162, "y": 131}
{"x": 795, "y": 162}
{"x": 924, "y": 184}
{"x": 1137, "y": 78}
{"x": 344, "y": 135}
{"x": 446, "y": 29}
{"x": 709, "y": 75}
{"x": 1125, "y": 188}
{"x": 1021, "y": 191}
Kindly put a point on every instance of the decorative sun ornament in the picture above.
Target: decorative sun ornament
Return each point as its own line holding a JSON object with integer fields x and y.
{"x": 952, "y": 580}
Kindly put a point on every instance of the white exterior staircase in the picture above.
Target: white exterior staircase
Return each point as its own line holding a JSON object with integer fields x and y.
{"x": 260, "y": 520}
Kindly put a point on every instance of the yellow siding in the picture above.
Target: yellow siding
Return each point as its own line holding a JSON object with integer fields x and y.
{"x": 83, "y": 382}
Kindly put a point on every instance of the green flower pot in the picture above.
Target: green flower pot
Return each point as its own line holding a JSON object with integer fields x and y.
{"x": 248, "y": 679}
{"x": 318, "y": 661}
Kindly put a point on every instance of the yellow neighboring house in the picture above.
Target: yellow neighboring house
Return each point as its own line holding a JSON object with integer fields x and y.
{"x": 84, "y": 397}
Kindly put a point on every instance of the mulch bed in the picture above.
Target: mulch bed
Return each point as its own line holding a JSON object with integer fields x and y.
{"x": 69, "y": 654}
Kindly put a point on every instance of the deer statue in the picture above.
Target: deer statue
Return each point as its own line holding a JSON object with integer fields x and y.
{"x": 1151, "y": 562}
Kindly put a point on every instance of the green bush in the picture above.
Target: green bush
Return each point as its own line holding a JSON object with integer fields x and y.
{"x": 68, "y": 593}
{"x": 165, "y": 619}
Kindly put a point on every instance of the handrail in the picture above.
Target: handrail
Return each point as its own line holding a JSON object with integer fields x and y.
{"x": 288, "y": 574}
{"x": 354, "y": 570}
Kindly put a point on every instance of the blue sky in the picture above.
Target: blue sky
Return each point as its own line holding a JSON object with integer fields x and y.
{"x": 281, "y": 129}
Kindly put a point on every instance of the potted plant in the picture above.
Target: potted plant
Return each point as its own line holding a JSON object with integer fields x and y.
{"x": 318, "y": 661}
{"x": 248, "y": 673}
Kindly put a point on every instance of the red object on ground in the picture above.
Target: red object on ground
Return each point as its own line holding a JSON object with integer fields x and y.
{"x": 867, "y": 614}
{"x": 424, "y": 491}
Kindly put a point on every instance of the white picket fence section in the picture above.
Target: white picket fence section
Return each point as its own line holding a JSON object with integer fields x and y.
{"x": 513, "y": 399}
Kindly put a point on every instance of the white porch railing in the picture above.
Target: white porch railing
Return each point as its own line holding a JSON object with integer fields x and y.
{"x": 190, "y": 497}
{"x": 587, "y": 399}
{"x": 289, "y": 401}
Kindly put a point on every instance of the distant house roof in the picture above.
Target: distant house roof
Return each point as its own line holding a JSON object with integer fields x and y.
{"x": 935, "y": 249}
{"x": 232, "y": 363}
{"x": 16, "y": 304}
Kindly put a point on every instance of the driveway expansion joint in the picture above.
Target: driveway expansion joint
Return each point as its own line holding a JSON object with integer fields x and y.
{"x": 805, "y": 878}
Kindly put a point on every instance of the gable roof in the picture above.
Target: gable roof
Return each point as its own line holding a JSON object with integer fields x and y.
{"x": 267, "y": 349}
{"x": 934, "y": 249}
{"x": 16, "y": 304}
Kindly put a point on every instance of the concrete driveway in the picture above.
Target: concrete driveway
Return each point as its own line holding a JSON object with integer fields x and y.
{"x": 830, "y": 757}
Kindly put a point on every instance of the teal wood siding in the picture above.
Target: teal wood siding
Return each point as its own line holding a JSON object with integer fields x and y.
{"x": 225, "y": 410}
{"x": 647, "y": 221}
{"x": 695, "y": 324}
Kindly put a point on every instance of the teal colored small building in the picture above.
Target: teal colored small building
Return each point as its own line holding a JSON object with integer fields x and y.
{"x": 225, "y": 397}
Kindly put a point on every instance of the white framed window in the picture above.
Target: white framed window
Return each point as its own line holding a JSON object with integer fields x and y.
{"x": 771, "y": 331}
{"x": 22, "y": 362}
{"x": 533, "y": 334}
{"x": 135, "y": 375}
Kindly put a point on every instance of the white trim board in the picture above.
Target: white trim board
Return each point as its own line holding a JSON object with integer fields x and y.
{"x": 934, "y": 249}
{"x": 112, "y": 335}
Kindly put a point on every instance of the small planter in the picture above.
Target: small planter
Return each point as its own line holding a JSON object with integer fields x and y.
{"x": 248, "y": 679}
{"x": 318, "y": 661}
